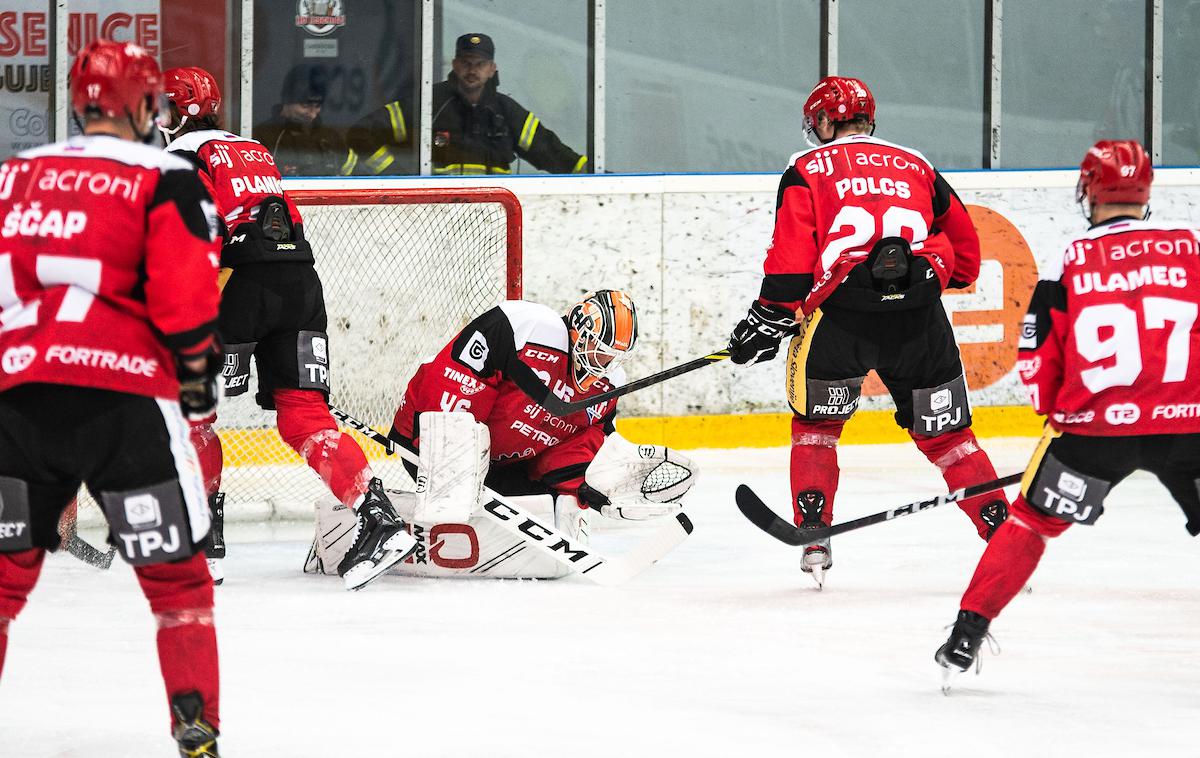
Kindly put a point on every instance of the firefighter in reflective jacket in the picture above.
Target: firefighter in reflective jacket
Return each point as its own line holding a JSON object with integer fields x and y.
{"x": 476, "y": 129}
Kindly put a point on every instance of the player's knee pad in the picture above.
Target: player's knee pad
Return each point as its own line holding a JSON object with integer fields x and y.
{"x": 184, "y": 617}
{"x": 1064, "y": 493}
{"x": 236, "y": 373}
{"x": 16, "y": 525}
{"x": 1023, "y": 515}
{"x": 941, "y": 409}
{"x": 157, "y": 523}
{"x": 946, "y": 450}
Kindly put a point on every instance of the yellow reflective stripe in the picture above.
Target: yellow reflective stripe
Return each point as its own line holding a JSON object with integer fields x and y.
{"x": 351, "y": 162}
{"x": 380, "y": 160}
{"x": 469, "y": 168}
{"x": 579, "y": 164}
{"x": 399, "y": 130}
{"x": 527, "y": 132}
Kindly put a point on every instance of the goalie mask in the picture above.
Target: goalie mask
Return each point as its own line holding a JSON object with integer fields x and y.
{"x": 602, "y": 329}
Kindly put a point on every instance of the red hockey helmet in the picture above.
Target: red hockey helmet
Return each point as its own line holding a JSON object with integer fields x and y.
{"x": 841, "y": 98}
{"x": 1114, "y": 171}
{"x": 112, "y": 78}
{"x": 193, "y": 90}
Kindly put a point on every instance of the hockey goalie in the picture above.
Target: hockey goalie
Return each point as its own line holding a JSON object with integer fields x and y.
{"x": 470, "y": 415}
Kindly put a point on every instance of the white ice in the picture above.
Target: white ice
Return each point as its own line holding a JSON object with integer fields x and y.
{"x": 722, "y": 649}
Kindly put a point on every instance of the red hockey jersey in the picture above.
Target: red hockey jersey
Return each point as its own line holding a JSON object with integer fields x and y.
{"x": 108, "y": 265}
{"x": 1111, "y": 342}
{"x": 516, "y": 344}
{"x": 836, "y": 201}
{"x": 262, "y": 223}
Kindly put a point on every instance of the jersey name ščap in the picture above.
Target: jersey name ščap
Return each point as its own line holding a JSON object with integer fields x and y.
{"x": 108, "y": 262}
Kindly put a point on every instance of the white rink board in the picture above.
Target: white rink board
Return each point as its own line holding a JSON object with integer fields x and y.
{"x": 723, "y": 649}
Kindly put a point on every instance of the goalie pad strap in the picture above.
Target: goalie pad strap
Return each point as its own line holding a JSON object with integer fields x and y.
{"x": 455, "y": 454}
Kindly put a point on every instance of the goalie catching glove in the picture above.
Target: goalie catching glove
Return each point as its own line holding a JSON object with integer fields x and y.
{"x": 636, "y": 482}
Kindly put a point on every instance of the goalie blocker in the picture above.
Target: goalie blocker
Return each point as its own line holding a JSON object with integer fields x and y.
{"x": 455, "y": 539}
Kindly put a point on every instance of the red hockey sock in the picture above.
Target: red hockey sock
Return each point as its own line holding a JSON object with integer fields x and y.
{"x": 814, "y": 462}
{"x": 208, "y": 449}
{"x": 1010, "y": 558}
{"x": 181, "y": 597}
{"x": 305, "y": 425}
{"x": 963, "y": 464}
{"x": 18, "y": 576}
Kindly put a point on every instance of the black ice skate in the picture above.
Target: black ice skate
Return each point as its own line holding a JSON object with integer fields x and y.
{"x": 215, "y": 552}
{"x": 818, "y": 557}
{"x": 962, "y": 648}
{"x": 380, "y": 540}
{"x": 195, "y": 736}
{"x": 993, "y": 513}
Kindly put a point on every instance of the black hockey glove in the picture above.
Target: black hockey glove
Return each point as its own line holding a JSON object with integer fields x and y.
{"x": 756, "y": 337}
{"x": 199, "y": 391}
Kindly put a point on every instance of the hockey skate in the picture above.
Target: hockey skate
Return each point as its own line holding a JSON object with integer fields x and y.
{"x": 962, "y": 648}
{"x": 993, "y": 513}
{"x": 818, "y": 556}
{"x": 380, "y": 540}
{"x": 195, "y": 736}
{"x": 215, "y": 552}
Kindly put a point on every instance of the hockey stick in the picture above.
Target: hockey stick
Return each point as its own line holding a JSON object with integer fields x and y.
{"x": 761, "y": 515}
{"x": 561, "y": 408}
{"x": 544, "y": 537}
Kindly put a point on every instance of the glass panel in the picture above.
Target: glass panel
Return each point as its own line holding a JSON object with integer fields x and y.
{"x": 335, "y": 85}
{"x": 708, "y": 86}
{"x": 1181, "y": 83}
{"x": 1074, "y": 73}
{"x": 540, "y": 54}
{"x": 925, "y": 70}
{"x": 25, "y": 46}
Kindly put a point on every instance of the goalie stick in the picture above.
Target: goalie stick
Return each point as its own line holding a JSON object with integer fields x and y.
{"x": 580, "y": 558}
{"x": 559, "y": 407}
{"x": 761, "y": 515}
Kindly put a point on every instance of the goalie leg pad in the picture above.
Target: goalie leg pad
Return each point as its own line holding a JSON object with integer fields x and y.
{"x": 455, "y": 453}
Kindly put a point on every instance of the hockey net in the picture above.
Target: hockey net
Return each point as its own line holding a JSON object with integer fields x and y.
{"x": 403, "y": 270}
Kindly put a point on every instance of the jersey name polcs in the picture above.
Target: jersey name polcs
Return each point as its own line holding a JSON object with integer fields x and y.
{"x": 108, "y": 264}
{"x": 1111, "y": 343}
{"x": 836, "y": 201}
{"x": 240, "y": 174}
{"x": 482, "y": 371}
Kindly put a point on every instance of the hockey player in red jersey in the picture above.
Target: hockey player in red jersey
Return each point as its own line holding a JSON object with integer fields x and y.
{"x": 867, "y": 236}
{"x": 272, "y": 308}
{"x": 513, "y": 353}
{"x": 1110, "y": 351}
{"x": 108, "y": 300}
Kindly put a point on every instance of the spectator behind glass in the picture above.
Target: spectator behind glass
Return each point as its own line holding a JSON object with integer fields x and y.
{"x": 476, "y": 130}
{"x": 301, "y": 144}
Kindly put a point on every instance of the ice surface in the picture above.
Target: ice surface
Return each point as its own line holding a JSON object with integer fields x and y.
{"x": 723, "y": 649}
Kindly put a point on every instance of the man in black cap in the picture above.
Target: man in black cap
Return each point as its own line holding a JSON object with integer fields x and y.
{"x": 476, "y": 130}
{"x": 294, "y": 134}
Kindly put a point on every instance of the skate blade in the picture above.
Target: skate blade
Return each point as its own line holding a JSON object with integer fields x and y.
{"x": 818, "y": 575}
{"x": 949, "y": 675}
{"x": 362, "y": 574}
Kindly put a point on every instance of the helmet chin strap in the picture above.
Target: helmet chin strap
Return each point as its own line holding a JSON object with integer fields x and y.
{"x": 169, "y": 134}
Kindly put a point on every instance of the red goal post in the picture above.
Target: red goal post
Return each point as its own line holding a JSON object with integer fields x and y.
{"x": 403, "y": 270}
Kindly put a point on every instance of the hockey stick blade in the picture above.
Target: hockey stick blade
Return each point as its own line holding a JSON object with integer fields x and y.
{"x": 561, "y": 408}
{"x": 89, "y": 554}
{"x": 761, "y": 515}
{"x": 581, "y": 559}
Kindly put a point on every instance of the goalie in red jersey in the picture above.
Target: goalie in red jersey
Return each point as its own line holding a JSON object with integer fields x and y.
{"x": 1110, "y": 351}
{"x": 469, "y": 414}
{"x": 108, "y": 300}
{"x": 273, "y": 309}
{"x": 867, "y": 236}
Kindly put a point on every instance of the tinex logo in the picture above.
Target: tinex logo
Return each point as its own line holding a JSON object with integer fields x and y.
{"x": 1122, "y": 413}
{"x": 17, "y": 359}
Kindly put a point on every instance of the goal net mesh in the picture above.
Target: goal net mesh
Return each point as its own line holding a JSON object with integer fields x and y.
{"x": 402, "y": 271}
